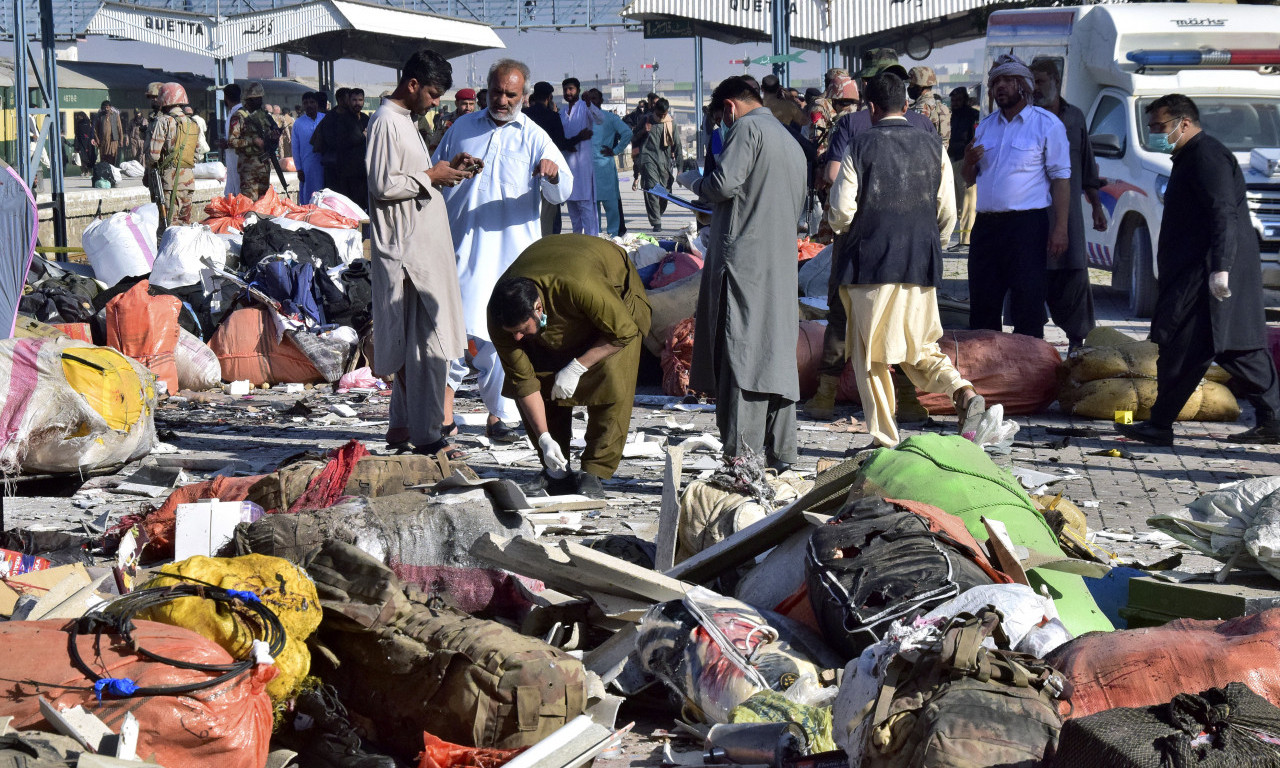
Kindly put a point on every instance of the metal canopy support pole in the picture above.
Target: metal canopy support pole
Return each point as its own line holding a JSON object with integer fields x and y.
{"x": 57, "y": 168}
{"x": 830, "y": 56}
{"x": 22, "y": 95}
{"x": 698, "y": 103}
{"x": 782, "y": 40}
{"x": 220, "y": 105}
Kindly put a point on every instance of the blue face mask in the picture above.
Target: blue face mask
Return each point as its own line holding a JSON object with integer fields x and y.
{"x": 1160, "y": 143}
{"x": 542, "y": 320}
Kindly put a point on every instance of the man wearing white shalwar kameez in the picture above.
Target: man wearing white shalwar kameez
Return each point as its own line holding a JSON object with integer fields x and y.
{"x": 417, "y": 308}
{"x": 496, "y": 215}
{"x": 576, "y": 118}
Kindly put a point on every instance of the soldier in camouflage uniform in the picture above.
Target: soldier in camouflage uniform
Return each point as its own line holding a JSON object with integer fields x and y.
{"x": 920, "y": 85}
{"x": 254, "y": 137}
{"x": 172, "y": 151}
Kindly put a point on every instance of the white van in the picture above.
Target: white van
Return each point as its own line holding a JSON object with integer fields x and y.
{"x": 1117, "y": 59}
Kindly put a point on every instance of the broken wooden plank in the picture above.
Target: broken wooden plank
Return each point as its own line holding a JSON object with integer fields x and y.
{"x": 1002, "y": 546}
{"x": 538, "y": 561}
{"x": 608, "y": 658}
{"x": 669, "y": 514}
{"x": 627, "y": 578}
{"x": 620, "y": 608}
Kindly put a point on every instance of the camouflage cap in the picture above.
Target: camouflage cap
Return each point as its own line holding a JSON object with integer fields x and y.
{"x": 153, "y": 89}
{"x": 835, "y": 72}
{"x": 254, "y": 91}
{"x": 879, "y": 60}
{"x": 922, "y": 76}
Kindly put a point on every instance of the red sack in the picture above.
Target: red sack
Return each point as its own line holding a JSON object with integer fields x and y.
{"x": 1144, "y": 667}
{"x": 322, "y": 217}
{"x": 677, "y": 356}
{"x": 226, "y": 214}
{"x": 145, "y": 327}
{"x": 806, "y": 250}
{"x": 228, "y": 725}
{"x": 246, "y": 347}
{"x": 79, "y": 331}
{"x": 271, "y": 204}
{"x": 673, "y": 268}
{"x": 1016, "y": 371}
{"x": 442, "y": 754}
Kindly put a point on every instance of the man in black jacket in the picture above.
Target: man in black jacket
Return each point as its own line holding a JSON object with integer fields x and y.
{"x": 895, "y": 197}
{"x": 1209, "y": 293}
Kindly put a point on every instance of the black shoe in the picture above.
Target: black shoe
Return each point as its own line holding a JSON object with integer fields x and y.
{"x": 1147, "y": 432}
{"x": 589, "y": 486}
{"x": 550, "y": 486}
{"x": 1263, "y": 434}
{"x": 323, "y": 736}
{"x": 501, "y": 433}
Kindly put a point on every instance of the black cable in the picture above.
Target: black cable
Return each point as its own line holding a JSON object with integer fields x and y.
{"x": 116, "y": 617}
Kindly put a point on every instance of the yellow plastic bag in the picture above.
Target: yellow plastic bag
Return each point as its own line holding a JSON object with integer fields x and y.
{"x": 282, "y": 586}
{"x": 109, "y": 383}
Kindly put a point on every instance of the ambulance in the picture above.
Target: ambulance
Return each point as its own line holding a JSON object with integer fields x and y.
{"x": 1117, "y": 59}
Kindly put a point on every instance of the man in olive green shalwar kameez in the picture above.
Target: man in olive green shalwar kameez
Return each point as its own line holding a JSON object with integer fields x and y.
{"x": 567, "y": 319}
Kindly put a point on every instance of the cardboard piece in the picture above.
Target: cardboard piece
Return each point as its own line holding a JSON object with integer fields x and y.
{"x": 37, "y": 583}
{"x": 15, "y": 563}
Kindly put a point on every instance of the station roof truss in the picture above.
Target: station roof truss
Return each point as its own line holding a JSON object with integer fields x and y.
{"x": 72, "y": 17}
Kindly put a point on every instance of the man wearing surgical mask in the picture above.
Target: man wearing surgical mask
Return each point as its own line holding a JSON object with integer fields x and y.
{"x": 1209, "y": 304}
{"x": 494, "y": 216}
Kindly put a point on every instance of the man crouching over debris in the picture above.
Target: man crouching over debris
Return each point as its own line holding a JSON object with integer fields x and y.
{"x": 567, "y": 319}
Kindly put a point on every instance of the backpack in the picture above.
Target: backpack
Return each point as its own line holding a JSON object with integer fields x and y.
{"x": 963, "y": 705}
{"x": 876, "y": 563}
{"x": 410, "y": 664}
{"x": 1243, "y": 729}
{"x": 186, "y": 137}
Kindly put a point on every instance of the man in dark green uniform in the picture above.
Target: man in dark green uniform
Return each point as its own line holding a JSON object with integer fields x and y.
{"x": 567, "y": 319}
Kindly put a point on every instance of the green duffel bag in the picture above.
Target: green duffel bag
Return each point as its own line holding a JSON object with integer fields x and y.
{"x": 403, "y": 664}
{"x": 957, "y": 476}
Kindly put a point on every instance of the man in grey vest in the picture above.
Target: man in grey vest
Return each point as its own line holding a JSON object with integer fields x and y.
{"x": 895, "y": 197}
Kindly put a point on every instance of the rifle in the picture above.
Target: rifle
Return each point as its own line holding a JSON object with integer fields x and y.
{"x": 157, "y": 194}
{"x": 271, "y": 149}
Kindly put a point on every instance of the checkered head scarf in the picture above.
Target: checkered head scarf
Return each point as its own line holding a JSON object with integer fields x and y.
{"x": 1011, "y": 65}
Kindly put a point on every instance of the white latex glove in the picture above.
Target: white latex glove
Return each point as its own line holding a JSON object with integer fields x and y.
{"x": 552, "y": 457}
{"x": 567, "y": 380}
{"x": 686, "y": 178}
{"x": 1218, "y": 286}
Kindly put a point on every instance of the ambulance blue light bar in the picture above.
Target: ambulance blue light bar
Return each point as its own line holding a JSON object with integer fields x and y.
{"x": 1205, "y": 58}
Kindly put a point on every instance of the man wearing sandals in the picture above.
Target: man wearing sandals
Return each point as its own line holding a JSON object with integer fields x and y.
{"x": 418, "y": 323}
{"x": 896, "y": 198}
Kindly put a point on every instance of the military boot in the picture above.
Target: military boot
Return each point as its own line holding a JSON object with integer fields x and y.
{"x": 908, "y": 407}
{"x": 323, "y": 737}
{"x": 822, "y": 406}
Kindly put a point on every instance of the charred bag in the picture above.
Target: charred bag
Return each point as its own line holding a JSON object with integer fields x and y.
{"x": 409, "y": 665}
{"x": 963, "y": 705}
{"x": 876, "y": 563}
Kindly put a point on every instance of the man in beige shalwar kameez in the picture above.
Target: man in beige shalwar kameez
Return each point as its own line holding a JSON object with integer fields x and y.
{"x": 417, "y": 307}
{"x": 895, "y": 198}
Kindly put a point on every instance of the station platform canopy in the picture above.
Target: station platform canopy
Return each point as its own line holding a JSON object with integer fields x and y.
{"x": 914, "y": 27}
{"x": 323, "y": 30}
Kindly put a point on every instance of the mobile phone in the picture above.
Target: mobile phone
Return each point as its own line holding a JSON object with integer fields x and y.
{"x": 474, "y": 167}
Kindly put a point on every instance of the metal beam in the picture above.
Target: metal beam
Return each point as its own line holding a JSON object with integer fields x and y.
{"x": 698, "y": 121}
{"x": 50, "y": 93}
